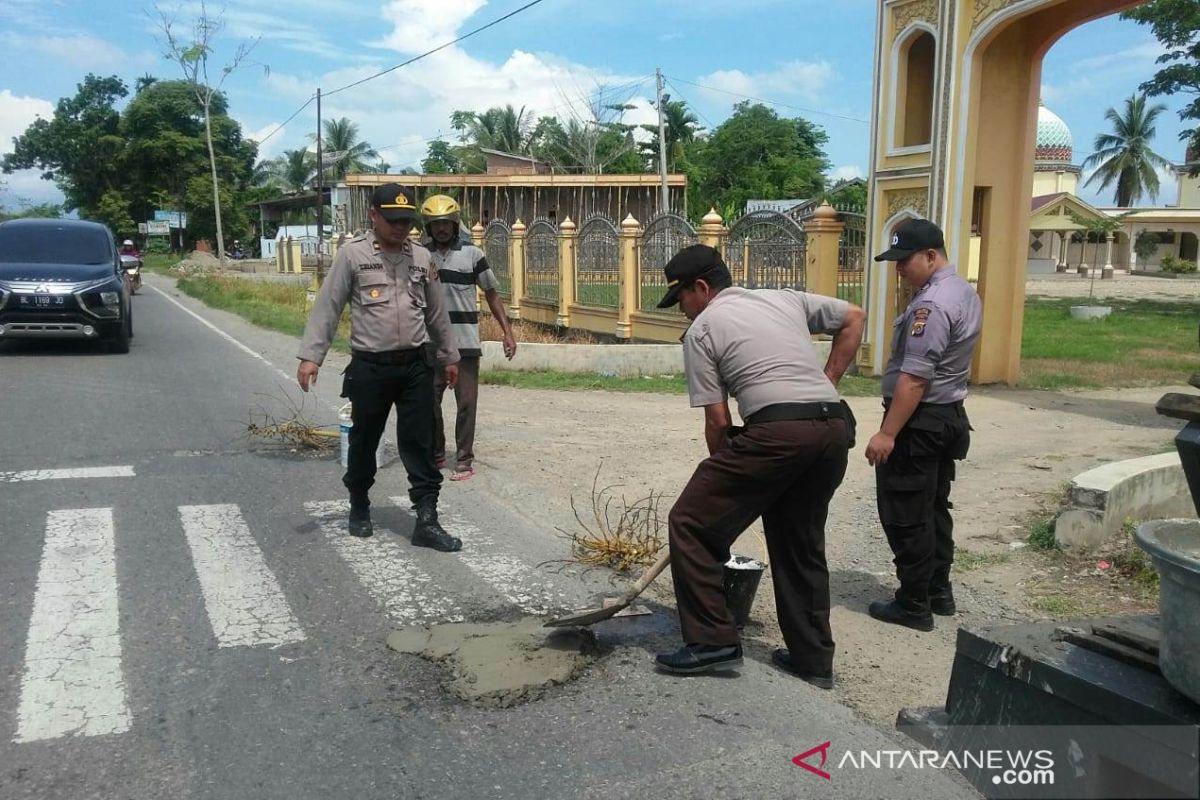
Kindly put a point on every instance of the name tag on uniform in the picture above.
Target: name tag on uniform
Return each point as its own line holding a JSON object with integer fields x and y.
{"x": 370, "y": 265}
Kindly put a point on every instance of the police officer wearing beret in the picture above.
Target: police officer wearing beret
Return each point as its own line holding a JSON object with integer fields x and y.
{"x": 399, "y": 333}
{"x": 925, "y": 427}
{"x": 783, "y": 465}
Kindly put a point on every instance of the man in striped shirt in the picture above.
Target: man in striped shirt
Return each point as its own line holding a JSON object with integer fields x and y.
{"x": 461, "y": 267}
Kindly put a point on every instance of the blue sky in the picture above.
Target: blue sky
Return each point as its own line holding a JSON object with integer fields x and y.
{"x": 813, "y": 59}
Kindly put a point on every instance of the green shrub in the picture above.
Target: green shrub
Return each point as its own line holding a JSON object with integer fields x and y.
{"x": 1041, "y": 534}
{"x": 157, "y": 245}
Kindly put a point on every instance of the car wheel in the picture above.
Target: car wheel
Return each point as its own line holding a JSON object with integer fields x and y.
{"x": 120, "y": 342}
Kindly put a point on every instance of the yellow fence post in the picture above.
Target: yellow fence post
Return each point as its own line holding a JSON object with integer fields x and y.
{"x": 516, "y": 268}
{"x": 628, "y": 284}
{"x": 712, "y": 231}
{"x": 281, "y": 264}
{"x": 824, "y": 232}
{"x": 477, "y": 240}
{"x": 295, "y": 255}
{"x": 567, "y": 236}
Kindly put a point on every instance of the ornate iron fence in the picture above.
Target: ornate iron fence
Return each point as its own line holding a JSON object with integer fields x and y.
{"x": 767, "y": 250}
{"x": 496, "y": 238}
{"x": 663, "y": 237}
{"x": 598, "y": 263}
{"x": 541, "y": 261}
{"x": 852, "y": 254}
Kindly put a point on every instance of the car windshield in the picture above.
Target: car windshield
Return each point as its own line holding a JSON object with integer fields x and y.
{"x": 52, "y": 244}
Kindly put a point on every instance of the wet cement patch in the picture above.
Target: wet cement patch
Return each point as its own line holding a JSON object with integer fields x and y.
{"x": 500, "y": 664}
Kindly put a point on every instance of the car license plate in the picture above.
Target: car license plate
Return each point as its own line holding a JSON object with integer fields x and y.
{"x": 42, "y": 301}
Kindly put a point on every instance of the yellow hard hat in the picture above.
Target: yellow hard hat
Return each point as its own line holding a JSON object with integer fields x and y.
{"x": 439, "y": 207}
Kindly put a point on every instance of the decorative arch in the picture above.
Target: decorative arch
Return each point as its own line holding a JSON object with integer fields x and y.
{"x": 914, "y": 81}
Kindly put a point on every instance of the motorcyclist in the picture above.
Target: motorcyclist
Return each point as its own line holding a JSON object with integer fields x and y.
{"x": 129, "y": 249}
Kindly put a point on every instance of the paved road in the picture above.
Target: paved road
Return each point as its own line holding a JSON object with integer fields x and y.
{"x": 182, "y": 614}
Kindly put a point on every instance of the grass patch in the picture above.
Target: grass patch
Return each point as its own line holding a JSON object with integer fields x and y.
{"x": 969, "y": 561}
{"x": 1061, "y": 605}
{"x": 1142, "y": 343}
{"x": 1131, "y": 562}
{"x": 1041, "y": 535}
{"x": 161, "y": 263}
{"x": 851, "y": 386}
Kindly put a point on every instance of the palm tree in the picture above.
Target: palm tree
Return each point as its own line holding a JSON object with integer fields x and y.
{"x": 343, "y": 152}
{"x": 681, "y": 126}
{"x": 504, "y": 129}
{"x": 294, "y": 170}
{"x": 1124, "y": 157}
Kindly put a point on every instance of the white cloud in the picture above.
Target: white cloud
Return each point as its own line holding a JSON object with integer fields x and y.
{"x": 273, "y": 145}
{"x": 81, "y": 50}
{"x": 847, "y": 173}
{"x": 804, "y": 80}
{"x": 419, "y": 25}
{"x": 18, "y": 113}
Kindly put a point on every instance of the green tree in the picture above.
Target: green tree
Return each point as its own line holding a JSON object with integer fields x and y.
{"x": 440, "y": 159}
{"x": 342, "y": 151}
{"x": 39, "y": 211}
{"x": 113, "y": 211}
{"x": 293, "y": 171}
{"x": 80, "y": 148}
{"x": 681, "y": 127}
{"x": 1176, "y": 23}
{"x": 1123, "y": 158}
{"x": 192, "y": 58}
{"x": 757, "y": 154}
{"x": 850, "y": 194}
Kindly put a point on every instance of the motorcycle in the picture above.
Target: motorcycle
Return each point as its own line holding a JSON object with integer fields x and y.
{"x": 132, "y": 267}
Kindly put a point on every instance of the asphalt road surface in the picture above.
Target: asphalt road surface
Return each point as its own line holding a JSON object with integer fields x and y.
{"x": 182, "y": 614}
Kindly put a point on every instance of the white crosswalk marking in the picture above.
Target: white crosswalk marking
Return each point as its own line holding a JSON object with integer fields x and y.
{"x": 243, "y": 599}
{"x": 65, "y": 474}
{"x": 513, "y": 579}
{"x": 383, "y": 566}
{"x": 73, "y": 684}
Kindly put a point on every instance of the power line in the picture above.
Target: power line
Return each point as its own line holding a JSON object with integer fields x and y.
{"x": 415, "y": 59}
{"x": 279, "y": 127}
{"x": 774, "y": 102}
{"x": 693, "y": 107}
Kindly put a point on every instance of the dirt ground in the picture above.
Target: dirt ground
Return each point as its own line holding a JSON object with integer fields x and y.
{"x": 537, "y": 449}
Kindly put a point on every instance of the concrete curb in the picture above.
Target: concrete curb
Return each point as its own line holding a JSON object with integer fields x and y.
{"x": 627, "y": 360}
{"x": 1100, "y": 500}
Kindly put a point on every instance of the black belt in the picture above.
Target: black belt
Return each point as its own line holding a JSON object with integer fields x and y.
{"x": 388, "y": 356}
{"x": 781, "y": 412}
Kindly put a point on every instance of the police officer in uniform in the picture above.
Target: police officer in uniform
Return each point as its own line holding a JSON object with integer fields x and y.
{"x": 783, "y": 465}
{"x": 925, "y": 427}
{"x": 399, "y": 333}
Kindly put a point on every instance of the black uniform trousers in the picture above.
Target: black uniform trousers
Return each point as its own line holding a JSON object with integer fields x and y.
{"x": 912, "y": 493}
{"x": 374, "y": 383}
{"x": 786, "y": 472}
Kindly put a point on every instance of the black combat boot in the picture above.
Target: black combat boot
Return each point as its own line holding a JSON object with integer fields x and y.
{"x": 903, "y": 611}
{"x": 428, "y": 533}
{"x": 941, "y": 601}
{"x": 360, "y": 517}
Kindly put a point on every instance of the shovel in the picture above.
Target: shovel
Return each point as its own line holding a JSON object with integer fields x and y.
{"x": 612, "y": 609}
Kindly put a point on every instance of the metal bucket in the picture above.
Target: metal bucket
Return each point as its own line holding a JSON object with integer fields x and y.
{"x": 1174, "y": 546}
{"x": 742, "y": 575}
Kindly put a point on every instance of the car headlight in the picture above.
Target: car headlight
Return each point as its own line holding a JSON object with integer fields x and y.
{"x": 110, "y": 298}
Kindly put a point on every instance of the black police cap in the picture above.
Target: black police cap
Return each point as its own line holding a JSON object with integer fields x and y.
{"x": 688, "y": 266}
{"x": 913, "y": 237}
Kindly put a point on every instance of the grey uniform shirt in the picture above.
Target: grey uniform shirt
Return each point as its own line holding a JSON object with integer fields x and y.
{"x": 935, "y": 337}
{"x": 461, "y": 268}
{"x": 756, "y": 345}
{"x": 396, "y": 303}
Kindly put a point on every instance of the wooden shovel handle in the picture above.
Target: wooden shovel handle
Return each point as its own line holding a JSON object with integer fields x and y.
{"x": 648, "y": 576}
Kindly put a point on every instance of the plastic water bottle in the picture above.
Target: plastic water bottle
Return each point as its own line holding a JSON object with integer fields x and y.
{"x": 345, "y": 423}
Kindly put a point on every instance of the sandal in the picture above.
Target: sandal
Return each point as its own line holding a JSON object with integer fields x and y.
{"x": 462, "y": 474}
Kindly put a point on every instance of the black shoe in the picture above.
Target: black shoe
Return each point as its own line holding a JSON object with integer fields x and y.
{"x": 429, "y": 533}
{"x": 695, "y": 658}
{"x": 941, "y": 602}
{"x": 360, "y": 523}
{"x": 783, "y": 659}
{"x": 897, "y": 614}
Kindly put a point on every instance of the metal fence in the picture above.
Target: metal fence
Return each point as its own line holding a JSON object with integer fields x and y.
{"x": 598, "y": 263}
{"x": 663, "y": 237}
{"x": 541, "y": 261}
{"x": 852, "y": 256}
{"x": 496, "y": 238}
{"x": 766, "y": 250}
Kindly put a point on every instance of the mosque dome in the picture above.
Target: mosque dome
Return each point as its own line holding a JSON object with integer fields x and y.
{"x": 1054, "y": 143}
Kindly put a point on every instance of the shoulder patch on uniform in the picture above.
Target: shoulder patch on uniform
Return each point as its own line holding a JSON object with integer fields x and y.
{"x": 920, "y": 316}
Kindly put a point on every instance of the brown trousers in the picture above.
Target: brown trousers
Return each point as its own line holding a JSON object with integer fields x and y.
{"x": 466, "y": 396}
{"x": 786, "y": 472}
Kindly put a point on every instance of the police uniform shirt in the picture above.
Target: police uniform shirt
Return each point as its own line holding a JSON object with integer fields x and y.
{"x": 935, "y": 337}
{"x": 756, "y": 345}
{"x": 461, "y": 268}
{"x": 395, "y": 301}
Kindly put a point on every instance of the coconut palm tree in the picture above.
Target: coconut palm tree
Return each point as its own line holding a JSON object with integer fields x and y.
{"x": 294, "y": 170}
{"x": 343, "y": 151}
{"x": 681, "y": 126}
{"x": 505, "y": 129}
{"x": 1124, "y": 157}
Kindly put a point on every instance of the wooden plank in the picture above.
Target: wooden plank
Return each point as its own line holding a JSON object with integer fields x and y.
{"x": 1179, "y": 406}
{"x": 1108, "y": 648}
{"x": 1139, "y": 636}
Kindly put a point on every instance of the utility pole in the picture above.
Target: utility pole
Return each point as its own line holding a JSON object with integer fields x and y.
{"x": 664, "y": 203}
{"x": 320, "y": 193}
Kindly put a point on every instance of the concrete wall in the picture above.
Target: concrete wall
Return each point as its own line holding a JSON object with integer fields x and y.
{"x": 600, "y": 359}
{"x": 1100, "y": 500}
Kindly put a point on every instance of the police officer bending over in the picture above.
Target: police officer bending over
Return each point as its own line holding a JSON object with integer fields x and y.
{"x": 784, "y": 465}
{"x": 399, "y": 331}
{"x": 925, "y": 427}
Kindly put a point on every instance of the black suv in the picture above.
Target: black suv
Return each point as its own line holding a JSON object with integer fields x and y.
{"x": 62, "y": 278}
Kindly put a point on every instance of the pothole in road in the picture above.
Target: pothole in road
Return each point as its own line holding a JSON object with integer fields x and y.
{"x": 500, "y": 664}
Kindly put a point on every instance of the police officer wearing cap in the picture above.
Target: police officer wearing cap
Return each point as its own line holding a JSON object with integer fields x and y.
{"x": 783, "y": 465}
{"x": 925, "y": 427}
{"x": 399, "y": 333}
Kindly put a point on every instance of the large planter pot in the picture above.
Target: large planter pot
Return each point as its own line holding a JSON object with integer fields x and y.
{"x": 1174, "y": 547}
{"x": 1090, "y": 312}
